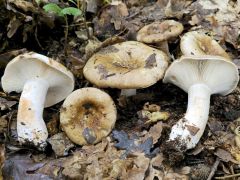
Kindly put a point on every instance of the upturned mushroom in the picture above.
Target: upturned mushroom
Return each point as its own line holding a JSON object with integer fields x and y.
{"x": 128, "y": 66}
{"x": 199, "y": 76}
{"x": 160, "y": 33}
{"x": 43, "y": 82}
{"x": 88, "y": 115}
{"x": 196, "y": 43}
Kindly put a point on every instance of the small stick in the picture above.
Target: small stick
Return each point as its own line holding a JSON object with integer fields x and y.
{"x": 214, "y": 169}
{"x": 229, "y": 176}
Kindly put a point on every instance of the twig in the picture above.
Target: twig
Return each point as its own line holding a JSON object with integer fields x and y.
{"x": 229, "y": 176}
{"x": 214, "y": 169}
{"x": 66, "y": 36}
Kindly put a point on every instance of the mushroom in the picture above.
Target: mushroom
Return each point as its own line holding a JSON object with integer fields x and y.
{"x": 88, "y": 115}
{"x": 128, "y": 65}
{"x": 199, "y": 76}
{"x": 43, "y": 82}
{"x": 160, "y": 33}
{"x": 196, "y": 43}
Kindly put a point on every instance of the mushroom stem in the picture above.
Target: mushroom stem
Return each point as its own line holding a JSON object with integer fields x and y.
{"x": 163, "y": 45}
{"x": 128, "y": 92}
{"x": 188, "y": 130}
{"x": 30, "y": 124}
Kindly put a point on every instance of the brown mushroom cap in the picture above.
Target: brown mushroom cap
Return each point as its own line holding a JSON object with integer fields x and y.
{"x": 88, "y": 115}
{"x": 127, "y": 65}
{"x": 159, "y": 31}
{"x": 196, "y": 43}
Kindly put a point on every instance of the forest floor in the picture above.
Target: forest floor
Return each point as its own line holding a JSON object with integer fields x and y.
{"x": 26, "y": 26}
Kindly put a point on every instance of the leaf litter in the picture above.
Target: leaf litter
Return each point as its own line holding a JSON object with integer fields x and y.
{"x": 134, "y": 150}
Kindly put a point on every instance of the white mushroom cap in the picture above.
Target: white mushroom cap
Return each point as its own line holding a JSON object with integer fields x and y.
{"x": 88, "y": 115}
{"x": 159, "y": 31}
{"x": 219, "y": 74}
{"x": 196, "y": 43}
{"x": 33, "y": 66}
{"x": 127, "y": 65}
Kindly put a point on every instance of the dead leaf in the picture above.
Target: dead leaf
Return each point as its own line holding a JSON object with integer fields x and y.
{"x": 19, "y": 166}
{"x": 60, "y": 144}
{"x": 92, "y": 6}
{"x": 133, "y": 144}
{"x": 224, "y": 155}
{"x": 111, "y": 19}
{"x": 139, "y": 168}
{"x": 149, "y": 117}
{"x": 23, "y": 5}
{"x": 53, "y": 125}
{"x": 8, "y": 56}
{"x": 5, "y": 104}
{"x": 175, "y": 8}
{"x": 151, "y": 107}
{"x": 154, "y": 132}
{"x": 13, "y": 26}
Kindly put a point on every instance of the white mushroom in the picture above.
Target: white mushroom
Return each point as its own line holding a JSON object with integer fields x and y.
{"x": 199, "y": 76}
{"x": 196, "y": 43}
{"x": 43, "y": 82}
{"x": 88, "y": 115}
{"x": 128, "y": 66}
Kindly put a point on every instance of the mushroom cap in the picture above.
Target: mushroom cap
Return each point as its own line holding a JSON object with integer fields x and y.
{"x": 196, "y": 43}
{"x": 88, "y": 115}
{"x": 219, "y": 74}
{"x": 30, "y": 66}
{"x": 159, "y": 31}
{"x": 127, "y": 65}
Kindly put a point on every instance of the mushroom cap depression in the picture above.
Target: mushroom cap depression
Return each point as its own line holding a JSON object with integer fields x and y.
{"x": 88, "y": 115}
{"x": 219, "y": 74}
{"x": 196, "y": 43}
{"x": 159, "y": 31}
{"x": 30, "y": 66}
{"x": 127, "y": 65}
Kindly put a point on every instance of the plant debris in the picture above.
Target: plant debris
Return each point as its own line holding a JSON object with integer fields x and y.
{"x": 137, "y": 148}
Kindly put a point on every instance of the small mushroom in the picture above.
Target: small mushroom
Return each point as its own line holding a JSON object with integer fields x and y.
{"x": 196, "y": 43}
{"x": 43, "y": 82}
{"x": 128, "y": 65}
{"x": 160, "y": 33}
{"x": 88, "y": 115}
{"x": 199, "y": 76}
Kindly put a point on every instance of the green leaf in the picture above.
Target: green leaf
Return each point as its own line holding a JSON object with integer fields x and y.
{"x": 51, "y": 7}
{"x": 71, "y": 11}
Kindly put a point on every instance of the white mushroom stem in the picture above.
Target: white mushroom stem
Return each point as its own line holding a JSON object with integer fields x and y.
{"x": 30, "y": 124}
{"x": 188, "y": 130}
{"x": 128, "y": 92}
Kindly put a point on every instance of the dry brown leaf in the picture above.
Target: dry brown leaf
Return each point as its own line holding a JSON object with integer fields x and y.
{"x": 139, "y": 168}
{"x": 60, "y": 144}
{"x": 154, "y": 132}
{"x": 13, "y": 26}
{"x": 176, "y": 8}
{"x": 111, "y": 19}
{"x": 221, "y": 17}
{"x": 224, "y": 155}
{"x": 22, "y": 166}
{"x": 23, "y": 5}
